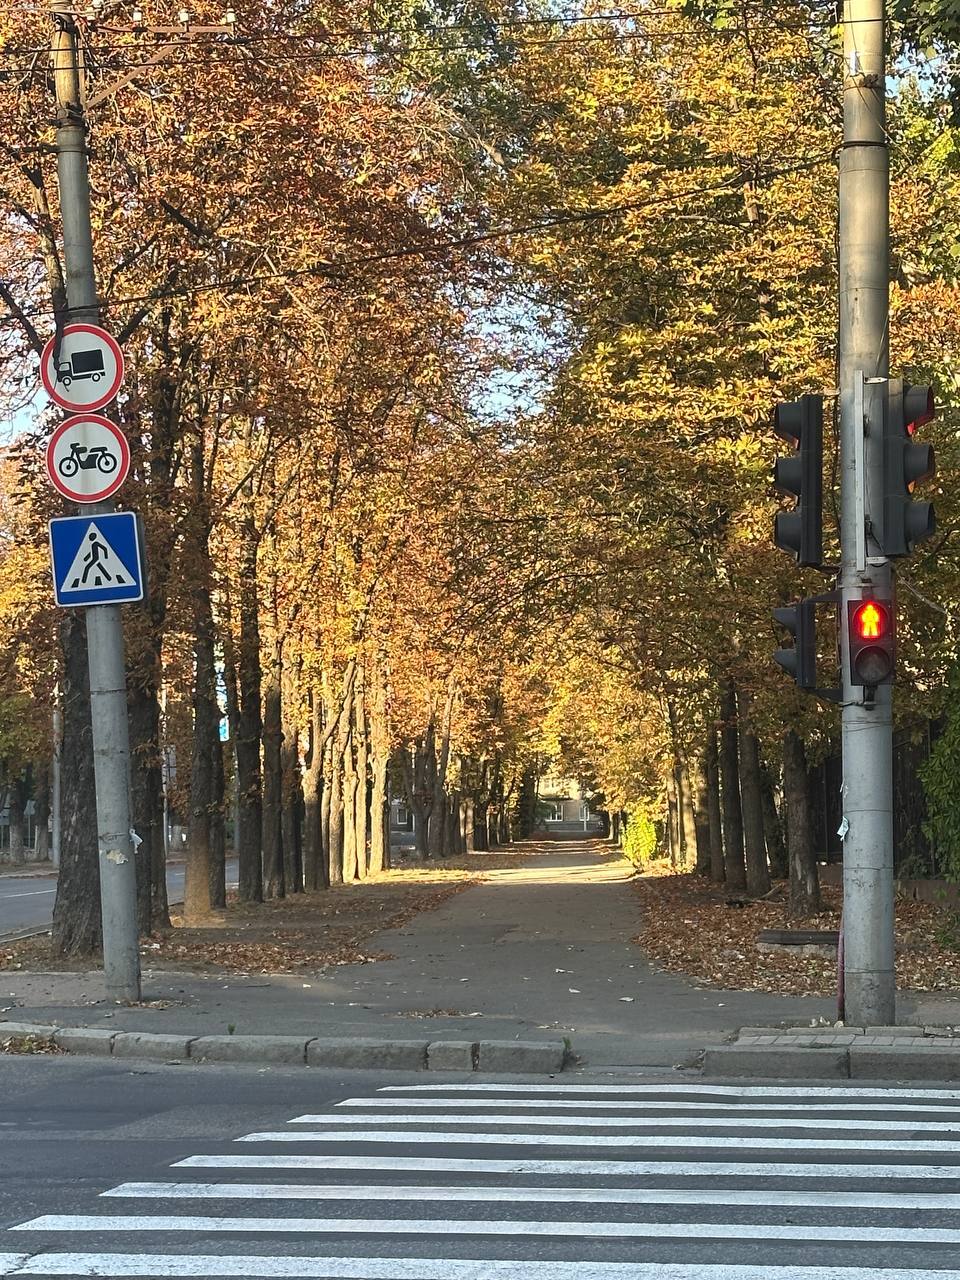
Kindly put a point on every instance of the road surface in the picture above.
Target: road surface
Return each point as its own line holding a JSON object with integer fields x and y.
{"x": 27, "y": 901}
{"x": 126, "y": 1169}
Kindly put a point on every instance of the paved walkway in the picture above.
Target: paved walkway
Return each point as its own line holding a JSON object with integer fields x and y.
{"x": 536, "y": 952}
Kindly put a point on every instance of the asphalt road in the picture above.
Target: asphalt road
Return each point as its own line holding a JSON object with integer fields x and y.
{"x": 27, "y": 901}
{"x": 123, "y": 1170}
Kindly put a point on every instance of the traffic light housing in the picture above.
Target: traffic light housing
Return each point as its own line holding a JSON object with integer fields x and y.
{"x": 871, "y": 634}
{"x": 905, "y": 462}
{"x": 800, "y": 661}
{"x": 800, "y": 531}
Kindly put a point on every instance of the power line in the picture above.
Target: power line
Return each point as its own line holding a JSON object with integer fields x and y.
{"x": 339, "y": 269}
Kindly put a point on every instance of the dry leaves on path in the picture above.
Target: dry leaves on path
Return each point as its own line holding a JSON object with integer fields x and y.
{"x": 304, "y": 933}
{"x": 687, "y": 927}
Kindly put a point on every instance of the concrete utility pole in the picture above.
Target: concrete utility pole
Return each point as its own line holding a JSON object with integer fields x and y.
{"x": 867, "y": 801}
{"x": 105, "y": 658}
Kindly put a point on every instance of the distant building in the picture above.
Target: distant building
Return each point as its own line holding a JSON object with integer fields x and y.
{"x": 564, "y": 810}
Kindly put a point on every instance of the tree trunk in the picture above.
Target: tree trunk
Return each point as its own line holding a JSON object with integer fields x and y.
{"x": 615, "y": 820}
{"x": 76, "y": 912}
{"x": 218, "y": 822}
{"x": 17, "y": 811}
{"x": 291, "y": 789}
{"x": 734, "y": 867}
{"x": 688, "y": 823}
{"x": 714, "y": 818}
{"x": 701, "y": 818}
{"x": 250, "y": 726}
{"x": 206, "y": 712}
{"x": 379, "y": 817}
{"x": 673, "y": 821}
{"x": 144, "y": 720}
{"x": 274, "y": 885}
{"x": 469, "y": 824}
{"x": 362, "y": 795}
{"x": 755, "y": 848}
{"x": 438, "y": 811}
{"x": 804, "y": 878}
{"x": 41, "y": 813}
{"x": 326, "y": 800}
{"x": 313, "y": 877}
{"x": 351, "y": 784}
{"x": 380, "y": 762}
{"x": 772, "y": 827}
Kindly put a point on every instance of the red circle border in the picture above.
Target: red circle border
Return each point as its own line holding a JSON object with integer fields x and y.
{"x": 122, "y": 472}
{"x": 114, "y": 346}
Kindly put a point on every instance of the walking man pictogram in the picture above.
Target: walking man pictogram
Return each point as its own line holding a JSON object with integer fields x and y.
{"x": 94, "y": 560}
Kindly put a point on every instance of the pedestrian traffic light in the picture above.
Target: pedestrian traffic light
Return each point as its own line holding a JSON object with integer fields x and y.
{"x": 871, "y": 634}
{"x": 905, "y": 462}
{"x": 800, "y": 661}
{"x": 800, "y": 531}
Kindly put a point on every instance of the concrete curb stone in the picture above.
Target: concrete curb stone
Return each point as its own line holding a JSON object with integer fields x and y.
{"x": 250, "y": 1048}
{"x": 386, "y": 1055}
{"x": 145, "y": 1044}
{"x": 85, "y": 1040}
{"x": 925, "y": 1062}
{"x": 546, "y": 1056}
{"x": 18, "y": 1030}
{"x": 519, "y": 1056}
{"x": 452, "y": 1055}
{"x": 777, "y": 1063}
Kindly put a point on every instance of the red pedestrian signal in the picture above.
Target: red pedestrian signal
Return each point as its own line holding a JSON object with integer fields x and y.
{"x": 870, "y": 635}
{"x": 870, "y": 620}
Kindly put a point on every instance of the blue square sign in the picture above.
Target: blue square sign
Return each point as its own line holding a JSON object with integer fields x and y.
{"x": 96, "y": 559}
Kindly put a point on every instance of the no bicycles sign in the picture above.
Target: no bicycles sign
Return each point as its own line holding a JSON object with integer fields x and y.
{"x": 87, "y": 458}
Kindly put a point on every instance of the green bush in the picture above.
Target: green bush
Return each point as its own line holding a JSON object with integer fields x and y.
{"x": 640, "y": 837}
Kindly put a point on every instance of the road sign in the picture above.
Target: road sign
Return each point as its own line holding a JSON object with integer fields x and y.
{"x": 96, "y": 559}
{"x": 88, "y": 458}
{"x": 86, "y": 371}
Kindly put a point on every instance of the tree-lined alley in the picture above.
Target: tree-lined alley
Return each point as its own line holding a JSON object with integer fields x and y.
{"x": 453, "y": 338}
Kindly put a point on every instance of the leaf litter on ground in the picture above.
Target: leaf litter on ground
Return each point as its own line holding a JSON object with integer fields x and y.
{"x": 304, "y": 933}
{"x": 688, "y": 926}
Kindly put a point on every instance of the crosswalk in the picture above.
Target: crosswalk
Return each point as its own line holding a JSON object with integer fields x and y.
{"x": 482, "y": 1181}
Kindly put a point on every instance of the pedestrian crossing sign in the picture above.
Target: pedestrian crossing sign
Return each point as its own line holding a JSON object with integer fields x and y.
{"x": 96, "y": 559}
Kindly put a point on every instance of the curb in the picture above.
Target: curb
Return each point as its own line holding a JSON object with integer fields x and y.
{"x": 544, "y": 1057}
{"x": 849, "y": 1057}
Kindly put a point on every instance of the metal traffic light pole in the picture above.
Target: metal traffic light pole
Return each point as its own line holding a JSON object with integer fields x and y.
{"x": 105, "y": 657}
{"x": 867, "y": 726}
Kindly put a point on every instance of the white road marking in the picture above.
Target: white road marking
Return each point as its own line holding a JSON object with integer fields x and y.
{"x": 569, "y": 1168}
{"x": 811, "y": 1092}
{"x": 11, "y": 1262}
{"x": 584, "y": 1229}
{"x": 443, "y": 1137}
{"x": 527, "y": 1195}
{"x": 652, "y": 1104}
{"x": 642, "y": 1122}
{"x": 33, "y": 893}
{"x": 256, "y": 1267}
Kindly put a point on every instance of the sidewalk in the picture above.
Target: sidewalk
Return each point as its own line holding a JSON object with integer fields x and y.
{"x": 537, "y": 953}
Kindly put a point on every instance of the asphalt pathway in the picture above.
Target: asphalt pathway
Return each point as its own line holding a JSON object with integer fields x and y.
{"x": 496, "y": 1180}
{"x": 541, "y": 951}
{"x": 26, "y": 902}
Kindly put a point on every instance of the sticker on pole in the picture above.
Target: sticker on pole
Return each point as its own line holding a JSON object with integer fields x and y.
{"x": 87, "y": 369}
{"x": 88, "y": 458}
{"x": 96, "y": 559}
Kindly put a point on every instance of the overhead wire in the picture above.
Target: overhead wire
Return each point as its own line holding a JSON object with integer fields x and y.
{"x": 335, "y": 269}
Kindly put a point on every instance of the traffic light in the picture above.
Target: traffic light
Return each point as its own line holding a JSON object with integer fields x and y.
{"x": 905, "y": 462}
{"x": 800, "y": 531}
{"x": 872, "y": 638}
{"x": 800, "y": 661}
